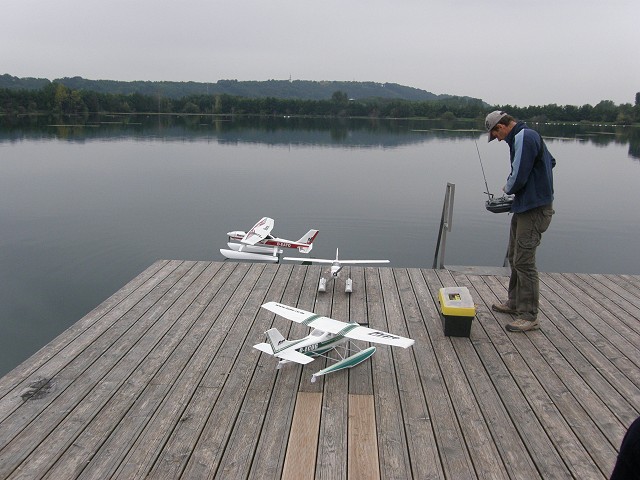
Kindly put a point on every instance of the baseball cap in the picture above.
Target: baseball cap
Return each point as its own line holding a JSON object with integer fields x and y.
{"x": 492, "y": 120}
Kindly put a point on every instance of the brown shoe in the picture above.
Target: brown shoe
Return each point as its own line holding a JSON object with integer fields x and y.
{"x": 522, "y": 325}
{"x": 502, "y": 308}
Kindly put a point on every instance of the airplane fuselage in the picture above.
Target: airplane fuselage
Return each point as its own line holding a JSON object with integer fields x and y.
{"x": 270, "y": 240}
{"x": 318, "y": 343}
{"x": 335, "y": 268}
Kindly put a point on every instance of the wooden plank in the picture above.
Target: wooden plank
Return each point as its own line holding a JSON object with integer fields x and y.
{"x": 331, "y": 459}
{"x": 21, "y": 374}
{"x": 454, "y": 456}
{"x": 362, "y": 453}
{"x": 456, "y": 362}
{"x": 608, "y": 319}
{"x": 569, "y": 426}
{"x": 598, "y": 371}
{"x": 51, "y": 360}
{"x": 159, "y": 389}
{"x": 321, "y": 306}
{"x": 392, "y": 441}
{"x": 560, "y": 354}
{"x": 78, "y": 381}
{"x": 630, "y": 279}
{"x": 179, "y": 445}
{"x": 607, "y": 339}
{"x": 99, "y": 444}
{"x": 521, "y": 394}
{"x": 510, "y": 447}
{"x": 268, "y": 461}
{"x": 360, "y": 376}
{"x": 583, "y": 380}
{"x": 627, "y": 290}
{"x": 273, "y": 440}
{"x": 161, "y": 380}
{"x": 300, "y": 460}
{"x": 624, "y": 313}
{"x": 224, "y": 386}
{"x": 249, "y": 422}
{"x": 178, "y": 378}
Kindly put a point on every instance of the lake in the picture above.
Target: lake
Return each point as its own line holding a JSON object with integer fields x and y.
{"x": 85, "y": 208}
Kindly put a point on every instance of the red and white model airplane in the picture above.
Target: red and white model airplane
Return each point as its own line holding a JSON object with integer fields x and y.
{"x": 259, "y": 244}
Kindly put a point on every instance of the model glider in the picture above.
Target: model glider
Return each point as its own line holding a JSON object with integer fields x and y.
{"x": 328, "y": 334}
{"x": 336, "y": 266}
{"x": 259, "y": 244}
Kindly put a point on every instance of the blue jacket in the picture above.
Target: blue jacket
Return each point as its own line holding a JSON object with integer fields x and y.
{"x": 531, "y": 178}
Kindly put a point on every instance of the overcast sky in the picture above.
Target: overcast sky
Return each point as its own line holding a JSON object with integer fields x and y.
{"x": 521, "y": 53}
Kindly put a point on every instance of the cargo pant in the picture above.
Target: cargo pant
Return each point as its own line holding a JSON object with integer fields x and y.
{"x": 525, "y": 235}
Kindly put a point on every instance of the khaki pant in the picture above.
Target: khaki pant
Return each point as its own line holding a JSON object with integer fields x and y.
{"x": 525, "y": 235}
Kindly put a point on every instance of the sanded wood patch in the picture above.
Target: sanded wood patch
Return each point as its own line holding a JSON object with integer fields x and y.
{"x": 300, "y": 460}
{"x": 362, "y": 456}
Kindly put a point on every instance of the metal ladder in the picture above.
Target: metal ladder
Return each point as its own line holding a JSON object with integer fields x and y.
{"x": 446, "y": 222}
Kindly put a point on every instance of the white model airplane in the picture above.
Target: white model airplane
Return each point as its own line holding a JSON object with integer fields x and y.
{"x": 259, "y": 244}
{"x": 328, "y": 334}
{"x": 336, "y": 266}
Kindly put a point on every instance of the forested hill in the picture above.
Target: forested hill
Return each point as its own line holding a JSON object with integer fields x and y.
{"x": 285, "y": 89}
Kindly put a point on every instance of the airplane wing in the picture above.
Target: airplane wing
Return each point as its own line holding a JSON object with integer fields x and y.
{"x": 378, "y": 336}
{"x": 326, "y": 324}
{"x": 259, "y": 231}
{"x": 294, "y": 356}
{"x": 357, "y": 262}
{"x": 308, "y": 260}
{"x": 290, "y": 313}
{"x": 327, "y": 261}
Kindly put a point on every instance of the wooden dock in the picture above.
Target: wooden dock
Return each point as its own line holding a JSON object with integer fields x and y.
{"x": 161, "y": 381}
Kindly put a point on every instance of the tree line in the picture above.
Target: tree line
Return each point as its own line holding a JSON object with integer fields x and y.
{"x": 297, "y": 89}
{"x": 58, "y": 99}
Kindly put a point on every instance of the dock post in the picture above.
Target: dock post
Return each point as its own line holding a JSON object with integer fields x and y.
{"x": 446, "y": 222}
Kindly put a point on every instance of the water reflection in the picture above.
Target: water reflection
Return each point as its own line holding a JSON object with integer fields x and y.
{"x": 86, "y": 206}
{"x": 371, "y": 132}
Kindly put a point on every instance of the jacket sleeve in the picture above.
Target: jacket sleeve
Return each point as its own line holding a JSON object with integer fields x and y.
{"x": 526, "y": 147}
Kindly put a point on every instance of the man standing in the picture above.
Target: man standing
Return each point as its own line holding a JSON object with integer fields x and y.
{"x": 531, "y": 181}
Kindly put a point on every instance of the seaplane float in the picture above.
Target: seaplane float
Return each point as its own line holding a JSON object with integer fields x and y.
{"x": 259, "y": 244}
{"x": 334, "y": 270}
{"x": 327, "y": 335}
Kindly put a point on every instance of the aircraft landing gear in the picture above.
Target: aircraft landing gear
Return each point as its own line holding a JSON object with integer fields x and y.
{"x": 348, "y": 285}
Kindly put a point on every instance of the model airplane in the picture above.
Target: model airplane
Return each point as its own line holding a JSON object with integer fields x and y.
{"x": 259, "y": 244}
{"x": 336, "y": 266}
{"x": 328, "y": 334}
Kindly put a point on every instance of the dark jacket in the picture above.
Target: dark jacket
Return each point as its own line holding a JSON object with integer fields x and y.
{"x": 531, "y": 178}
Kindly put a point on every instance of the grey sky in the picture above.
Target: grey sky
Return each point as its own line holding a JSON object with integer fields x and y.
{"x": 523, "y": 53}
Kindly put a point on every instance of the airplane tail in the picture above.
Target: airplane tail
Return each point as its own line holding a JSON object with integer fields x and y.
{"x": 276, "y": 340}
{"x": 308, "y": 239}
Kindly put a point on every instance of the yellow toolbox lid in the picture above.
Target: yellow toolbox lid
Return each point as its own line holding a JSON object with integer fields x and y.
{"x": 456, "y": 301}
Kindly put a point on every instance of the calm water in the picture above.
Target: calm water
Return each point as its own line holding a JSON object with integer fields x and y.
{"x": 85, "y": 209}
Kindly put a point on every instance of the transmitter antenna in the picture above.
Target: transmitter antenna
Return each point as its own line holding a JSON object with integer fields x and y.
{"x": 482, "y": 167}
{"x": 494, "y": 205}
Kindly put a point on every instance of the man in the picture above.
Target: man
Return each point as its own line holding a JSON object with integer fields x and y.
{"x": 627, "y": 465}
{"x": 531, "y": 183}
